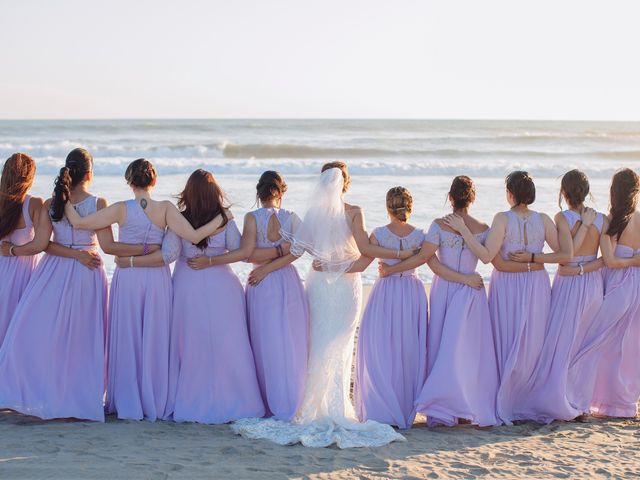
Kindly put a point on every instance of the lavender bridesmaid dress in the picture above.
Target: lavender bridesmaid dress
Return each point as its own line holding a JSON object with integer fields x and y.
{"x": 139, "y": 328}
{"x": 278, "y": 316}
{"x": 212, "y": 375}
{"x": 610, "y": 351}
{"x": 15, "y": 272}
{"x": 52, "y": 361}
{"x": 391, "y": 358}
{"x": 462, "y": 378}
{"x": 575, "y": 300}
{"x": 519, "y": 305}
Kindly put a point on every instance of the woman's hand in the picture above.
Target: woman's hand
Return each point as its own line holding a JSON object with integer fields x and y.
{"x": 474, "y": 280}
{"x": 201, "y": 262}
{"x": 383, "y": 270}
{"x": 455, "y": 222}
{"x": 588, "y": 216}
{"x": 567, "y": 271}
{"x": 5, "y": 249}
{"x": 257, "y": 275}
{"x": 317, "y": 266}
{"x": 522, "y": 257}
{"x": 91, "y": 260}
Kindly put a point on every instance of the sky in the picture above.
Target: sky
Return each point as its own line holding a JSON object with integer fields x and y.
{"x": 525, "y": 59}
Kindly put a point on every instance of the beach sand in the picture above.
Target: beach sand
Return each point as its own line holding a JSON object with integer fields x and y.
{"x": 31, "y": 448}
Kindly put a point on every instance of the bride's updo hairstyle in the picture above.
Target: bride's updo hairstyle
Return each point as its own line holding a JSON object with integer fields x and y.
{"x": 79, "y": 162}
{"x": 141, "y": 174}
{"x": 574, "y": 187}
{"x": 521, "y": 186}
{"x": 270, "y": 186}
{"x": 625, "y": 187}
{"x": 345, "y": 173}
{"x": 399, "y": 203}
{"x": 462, "y": 192}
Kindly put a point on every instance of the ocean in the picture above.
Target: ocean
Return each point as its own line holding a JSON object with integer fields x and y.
{"x": 422, "y": 155}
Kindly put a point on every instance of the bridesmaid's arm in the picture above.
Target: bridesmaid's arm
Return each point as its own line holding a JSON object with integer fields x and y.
{"x": 176, "y": 222}
{"x": 510, "y": 266}
{"x": 259, "y": 273}
{"x": 487, "y": 252}
{"x": 426, "y": 252}
{"x": 90, "y": 259}
{"x": 103, "y": 218}
{"x": 558, "y": 238}
{"x": 593, "y": 266}
{"x": 40, "y": 241}
{"x": 264, "y": 255}
{"x": 473, "y": 280}
{"x": 366, "y": 247}
{"x": 171, "y": 248}
{"x": 111, "y": 247}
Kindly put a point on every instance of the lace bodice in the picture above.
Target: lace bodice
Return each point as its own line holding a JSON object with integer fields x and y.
{"x": 514, "y": 239}
{"x": 387, "y": 239}
{"x": 65, "y": 234}
{"x": 174, "y": 247}
{"x": 138, "y": 228}
{"x": 23, "y": 235}
{"x": 453, "y": 250}
{"x": 288, "y": 220}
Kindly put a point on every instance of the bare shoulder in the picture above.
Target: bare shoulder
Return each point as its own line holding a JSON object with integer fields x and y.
{"x": 476, "y": 226}
{"x": 230, "y": 216}
{"x": 102, "y": 203}
{"x": 47, "y": 202}
{"x": 352, "y": 208}
{"x": 36, "y": 202}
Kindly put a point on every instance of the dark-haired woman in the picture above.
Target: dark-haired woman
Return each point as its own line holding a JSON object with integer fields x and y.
{"x": 518, "y": 301}
{"x": 18, "y": 214}
{"x": 140, "y": 300}
{"x": 277, "y": 309}
{"x": 555, "y": 386}
{"x": 607, "y": 361}
{"x": 52, "y": 361}
{"x": 212, "y": 375}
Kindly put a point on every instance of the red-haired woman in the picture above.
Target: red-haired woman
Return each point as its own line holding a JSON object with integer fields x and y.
{"x": 212, "y": 373}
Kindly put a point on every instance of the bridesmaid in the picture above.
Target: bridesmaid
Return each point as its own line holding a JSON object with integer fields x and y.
{"x": 212, "y": 376}
{"x": 277, "y": 309}
{"x": 18, "y": 214}
{"x": 611, "y": 348}
{"x": 391, "y": 361}
{"x": 52, "y": 361}
{"x": 575, "y": 301}
{"x": 140, "y": 300}
{"x": 518, "y": 301}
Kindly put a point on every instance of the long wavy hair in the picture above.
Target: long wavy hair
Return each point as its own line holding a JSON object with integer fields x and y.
{"x": 201, "y": 201}
{"x": 17, "y": 178}
{"x": 625, "y": 187}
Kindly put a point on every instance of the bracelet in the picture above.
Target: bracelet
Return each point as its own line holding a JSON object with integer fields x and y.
{"x": 145, "y": 249}
{"x": 398, "y": 253}
{"x": 528, "y": 267}
{"x": 131, "y": 261}
{"x": 11, "y": 254}
{"x": 581, "y": 269}
{"x": 279, "y": 251}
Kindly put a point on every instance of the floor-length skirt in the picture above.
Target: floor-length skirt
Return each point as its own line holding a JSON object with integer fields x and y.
{"x": 15, "y": 273}
{"x": 138, "y": 343}
{"x": 278, "y": 316}
{"x": 52, "y": 363}
{"x": 519, "y": 306}
{"x": 391, "y": 359}
{"x": 212, "y": 373}
{"x": 462, "y": 379}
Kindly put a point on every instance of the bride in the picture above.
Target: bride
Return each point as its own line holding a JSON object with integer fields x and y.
{"x": 333, "y": 233}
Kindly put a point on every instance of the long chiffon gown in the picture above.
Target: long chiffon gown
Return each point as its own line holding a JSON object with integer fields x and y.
{"x": 139, "y": 328}
{"x": 462, "y": 379}
{"x": 391, "y": 358}
{"x": 52, "y": 361}
{"x": 212, "y": 375}
{"x": 610, "y": 351}
{"x": 519, "y": 305}
{"x": 278, "y": 316}
{"x": 556, "y": 385}
{"x": 15, "y": 272}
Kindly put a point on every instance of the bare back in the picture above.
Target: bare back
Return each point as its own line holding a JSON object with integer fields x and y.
{"x": 631, "y": 234}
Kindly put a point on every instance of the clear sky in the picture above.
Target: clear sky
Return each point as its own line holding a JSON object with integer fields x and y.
{"x": 538, "y": 59}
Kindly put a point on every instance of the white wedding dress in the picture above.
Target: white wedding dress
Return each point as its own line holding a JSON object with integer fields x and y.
{"x": 326, "y": 415}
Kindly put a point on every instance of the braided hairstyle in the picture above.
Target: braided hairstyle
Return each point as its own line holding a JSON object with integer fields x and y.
{"x": 17, "y": 178}
{"x": 79, "y": 162}
{"x": 141, "y": 174}
{"x": 270, "y": 186}
{"x": 574, "y": 187}
{"x": 400, "y": 203}
{"x": 625, "y": 187}
{"x": 462, "y": 192}
{"x": 521, "y": 186}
